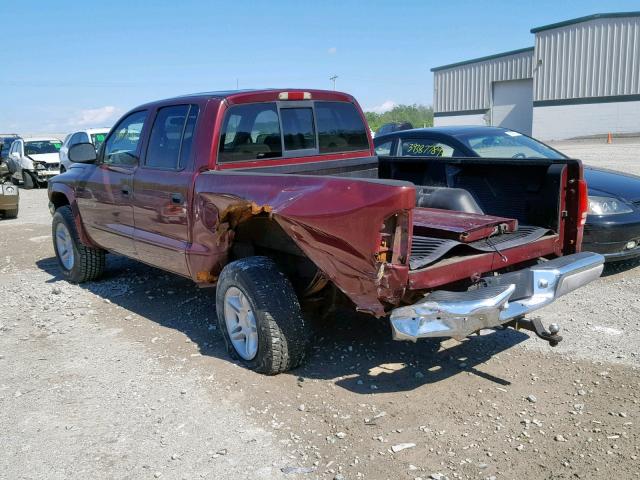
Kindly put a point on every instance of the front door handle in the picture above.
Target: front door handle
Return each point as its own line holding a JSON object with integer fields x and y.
{"x": 177, "y": 198}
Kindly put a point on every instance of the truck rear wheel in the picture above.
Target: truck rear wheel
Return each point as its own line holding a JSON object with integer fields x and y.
{"x": 260, "y": 317}
{"x": 78, "y": 262}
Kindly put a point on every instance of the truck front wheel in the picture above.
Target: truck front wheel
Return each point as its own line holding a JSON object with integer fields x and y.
{"x": 78, "y": 262}
{"x": 28, "y": 180}
{"x": 260, "y": 317}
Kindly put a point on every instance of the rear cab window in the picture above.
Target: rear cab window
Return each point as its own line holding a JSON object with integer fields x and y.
{"x": 263, "y": 131}
{"x": 251, "y": 132}
{"x": 298, "y": 129}
{"x": 340, "y": 128}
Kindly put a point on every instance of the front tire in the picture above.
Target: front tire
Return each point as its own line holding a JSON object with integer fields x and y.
{"x": 11, "y": 213}
{"x": 260, "y": 317}
{"x": 28, "y": 181}
{"x": 78, "y": 262}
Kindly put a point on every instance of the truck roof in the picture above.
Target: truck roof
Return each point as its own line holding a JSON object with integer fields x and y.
{"x": 257, "y": 95}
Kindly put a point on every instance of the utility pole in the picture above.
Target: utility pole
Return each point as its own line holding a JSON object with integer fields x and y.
{"x": 333, "y": 79}
{"x": 237, "y": 84}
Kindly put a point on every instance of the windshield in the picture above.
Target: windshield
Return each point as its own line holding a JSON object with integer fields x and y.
{"x": 97, "y": 139}
{"x": 42, "y": 146}
{"x": 507, "y": 144}
{"x": 5, "y": 146}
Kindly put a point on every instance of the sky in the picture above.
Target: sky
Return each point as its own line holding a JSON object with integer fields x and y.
{"x": 69, "y": 64}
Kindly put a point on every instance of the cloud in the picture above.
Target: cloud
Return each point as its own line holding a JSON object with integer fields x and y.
{"x": 97, "y": 117}
{"x": 386, "y": 106}
{"x": 332, "y": 50}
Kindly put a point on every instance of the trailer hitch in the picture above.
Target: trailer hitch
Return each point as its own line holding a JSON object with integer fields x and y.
{"x": 535, "y": 325}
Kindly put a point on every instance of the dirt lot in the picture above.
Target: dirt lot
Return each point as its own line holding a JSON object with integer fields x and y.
{"x": 128, "y": 378}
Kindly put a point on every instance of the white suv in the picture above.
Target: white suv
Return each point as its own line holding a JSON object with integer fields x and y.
{"x": 90, "y": 135}
{"x": 34, "y": 160}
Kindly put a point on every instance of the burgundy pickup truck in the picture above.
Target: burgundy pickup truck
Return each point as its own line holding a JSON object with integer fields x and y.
{"x": 277, "y": 198}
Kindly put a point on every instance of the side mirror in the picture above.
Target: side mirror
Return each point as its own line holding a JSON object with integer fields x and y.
{"x": 82, "y": 153}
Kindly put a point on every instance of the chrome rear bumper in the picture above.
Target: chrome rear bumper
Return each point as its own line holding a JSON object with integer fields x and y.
{"x": 459, "y": 314}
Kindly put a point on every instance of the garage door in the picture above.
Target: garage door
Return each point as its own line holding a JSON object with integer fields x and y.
{"x": 513, "y": 105}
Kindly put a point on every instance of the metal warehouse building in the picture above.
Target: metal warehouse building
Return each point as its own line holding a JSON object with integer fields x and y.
{"x": 581, "y": 78}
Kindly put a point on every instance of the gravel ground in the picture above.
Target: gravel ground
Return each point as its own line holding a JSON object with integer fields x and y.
{"x": 623, "y": 154}
{"x": 128, "y": 378}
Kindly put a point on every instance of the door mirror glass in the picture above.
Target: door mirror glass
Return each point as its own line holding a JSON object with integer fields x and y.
{"x": 82, "y": 153}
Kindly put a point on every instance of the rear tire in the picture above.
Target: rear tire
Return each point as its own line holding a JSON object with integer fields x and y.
{"x": 78, "y": 262}
{"x": 11, "y": 213}
{"x": 255, "y": 299}
{"x": 28, "y": 181}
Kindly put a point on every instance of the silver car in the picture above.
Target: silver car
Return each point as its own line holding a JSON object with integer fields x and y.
{"x": 89, "y": 135}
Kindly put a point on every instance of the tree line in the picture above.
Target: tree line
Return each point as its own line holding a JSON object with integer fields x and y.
{"x": 418, "y": 115}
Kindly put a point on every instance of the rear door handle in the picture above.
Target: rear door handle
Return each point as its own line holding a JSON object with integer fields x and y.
{"x": 177, "y": 198}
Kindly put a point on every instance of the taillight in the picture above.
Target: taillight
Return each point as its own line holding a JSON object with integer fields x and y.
{"x": 394, "y": 239}
{"x": 583, "y": 201}
{"x": 294, "y": 96}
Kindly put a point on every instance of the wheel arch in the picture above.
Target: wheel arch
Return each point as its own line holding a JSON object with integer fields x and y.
{"x": 62, "y": 195}
{"x": 262, "y": 235}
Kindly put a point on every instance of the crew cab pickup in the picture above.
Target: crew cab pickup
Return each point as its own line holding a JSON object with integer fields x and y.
{"x": 277, "y": 198}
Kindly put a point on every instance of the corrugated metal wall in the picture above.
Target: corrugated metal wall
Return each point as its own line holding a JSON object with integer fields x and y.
{"x": 597, "y": 58}
{"x": 468, "y": 87}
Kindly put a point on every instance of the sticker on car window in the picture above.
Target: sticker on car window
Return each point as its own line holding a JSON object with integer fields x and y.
{"x": 420, "y": 149}
{"x": 513, "y": 134}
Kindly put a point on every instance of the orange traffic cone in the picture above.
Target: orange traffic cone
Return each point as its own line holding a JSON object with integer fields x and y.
{"x": 609, "y": 138}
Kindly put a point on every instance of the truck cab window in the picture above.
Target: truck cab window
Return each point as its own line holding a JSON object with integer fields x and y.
{"x": 171, "y": 137}
{"x": 251, "y": 132}
{"x": 298, "y": 128}
{"x": 340, "y": 127}
{"x": 122, "y": 145}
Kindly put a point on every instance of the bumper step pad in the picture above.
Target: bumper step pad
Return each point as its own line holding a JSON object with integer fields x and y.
{"x": 427, "y": 250}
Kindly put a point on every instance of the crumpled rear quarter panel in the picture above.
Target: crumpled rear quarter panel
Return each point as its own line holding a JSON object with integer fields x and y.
{"x": 335, "y": 221}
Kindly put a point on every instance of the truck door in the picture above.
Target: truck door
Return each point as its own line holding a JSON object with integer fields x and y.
{"x": 104, "y": 196}
{"x": 162, "y": 189}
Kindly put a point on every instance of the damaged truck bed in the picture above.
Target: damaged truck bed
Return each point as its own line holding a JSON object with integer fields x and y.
{"x": 280, "y": 191}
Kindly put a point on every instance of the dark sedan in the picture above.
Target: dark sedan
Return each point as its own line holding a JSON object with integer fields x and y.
{"x": 613, "y": 222}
